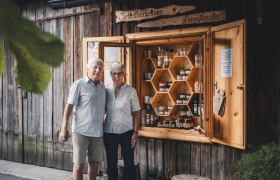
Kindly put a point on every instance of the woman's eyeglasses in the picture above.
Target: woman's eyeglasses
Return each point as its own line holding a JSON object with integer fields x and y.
{"x": 117, "y": 73}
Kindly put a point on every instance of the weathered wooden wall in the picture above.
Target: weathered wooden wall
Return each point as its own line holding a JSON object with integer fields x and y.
{"x": 30, "y": 123}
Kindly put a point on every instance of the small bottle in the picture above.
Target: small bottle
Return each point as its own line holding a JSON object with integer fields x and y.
{"x": 197, "y": 86}
{"x": 160, "y": 61}
{"x": 145, "y": 54}
{"x": 165, "y": 62}
{"x": 195, "y": 107}
{"x": 149, "y": 53}
{"x": 148, "y": 115}
{"x": 196, "y": 59}
{"x": 143, "y": 117}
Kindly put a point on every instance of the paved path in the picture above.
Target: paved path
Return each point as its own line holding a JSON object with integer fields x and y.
{"x": 18, "y": 171}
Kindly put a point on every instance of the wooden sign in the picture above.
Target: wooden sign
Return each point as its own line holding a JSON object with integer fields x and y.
{"x": 198, "y": 18}
{"x": 140, "y": 14}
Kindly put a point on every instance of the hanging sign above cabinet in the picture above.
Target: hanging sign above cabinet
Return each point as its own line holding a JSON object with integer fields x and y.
{"x": 140, "y": 14}
{"x": 198, "y": 18}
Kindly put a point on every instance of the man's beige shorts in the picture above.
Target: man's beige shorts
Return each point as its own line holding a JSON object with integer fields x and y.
{"x": 93, "y": 147}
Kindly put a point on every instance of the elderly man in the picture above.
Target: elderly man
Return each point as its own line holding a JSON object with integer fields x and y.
{"x": 86, "y": 99}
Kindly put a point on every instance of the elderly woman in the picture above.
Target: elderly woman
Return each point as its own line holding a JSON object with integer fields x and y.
{"x": 121, "y": 124}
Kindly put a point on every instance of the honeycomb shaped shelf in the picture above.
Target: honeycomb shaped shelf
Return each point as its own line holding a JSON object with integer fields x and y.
{"x": 179, "y": 87}
{"x": 179, "y": 63}
{"x": 161, "y": 75}
{"x": 162, "y": 99}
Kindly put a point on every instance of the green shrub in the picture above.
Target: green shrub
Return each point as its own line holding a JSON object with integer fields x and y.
{"x": 263, "y": 164}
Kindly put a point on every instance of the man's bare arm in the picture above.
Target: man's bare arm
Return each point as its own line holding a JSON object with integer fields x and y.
{"x": 64, "y": 133}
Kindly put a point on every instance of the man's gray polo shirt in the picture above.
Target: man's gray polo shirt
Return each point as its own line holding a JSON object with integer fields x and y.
{"x": 119, "y": 110}
{"x": 89, "y": 106}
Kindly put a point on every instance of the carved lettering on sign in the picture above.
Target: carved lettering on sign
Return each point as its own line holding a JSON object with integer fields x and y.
{"x": 139, "y": 14}
{"x": 198, "y": 18}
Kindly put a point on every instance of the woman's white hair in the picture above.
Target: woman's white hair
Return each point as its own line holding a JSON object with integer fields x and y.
{"x": 117, "y": 65}
{"x": 94, "y": 61}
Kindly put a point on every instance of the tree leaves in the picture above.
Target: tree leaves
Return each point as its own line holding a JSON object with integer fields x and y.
{"x": 2, "y": 57}
{"x": 35, "y": 50}
{"x": 32, "y": 75}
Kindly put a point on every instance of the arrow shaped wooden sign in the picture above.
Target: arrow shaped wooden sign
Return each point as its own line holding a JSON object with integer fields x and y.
{"x": 140, "y": 14}
{"x": 198, "y": 18}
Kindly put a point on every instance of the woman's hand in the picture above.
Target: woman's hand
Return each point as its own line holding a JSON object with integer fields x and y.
{"x": 134, "y": 139}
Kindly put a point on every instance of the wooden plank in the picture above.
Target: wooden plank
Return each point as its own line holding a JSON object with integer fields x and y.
{"x": 8, "y": 107}
{"x": 108, "y": 19}
{"x": 169, "y": 156}
{"x": 25, "y": 123}
{"x": 5, "y": 110}
{"x": 217, "y": 161}
{"x": 90, "y": 23}
{"x": 158, "y": 153}
{"x": 14, "y": 116}
{"x": 195, "y": 158}
{"x": 229, "y": 162}
{"x": 51, "y": 27}
{"x": 143, "y": 155}
{"x": 48, "y": 127}
{"x": 116, "y": 27}
{"x": 125, "y": 25}
{"x": 38, "y": 110}
{"x": 30, "y": 133}
{"x": 205, "y": 161}
{"x": 151, "y": 157}
{"x": 30, "y": 139}
{"x": 68, "y": 80}
{"x": 166, "y": 133}
{"x": 101, "y": 23}
{"x": 78, "y": 62}
{"x": 132, "y": 25}
{"x": 155, "y": 156}
{"x": 183, "y": 158}
{"x": 17, "y": 129}
{"x": 38, "y": 129}
{"x": 58, "y": 103}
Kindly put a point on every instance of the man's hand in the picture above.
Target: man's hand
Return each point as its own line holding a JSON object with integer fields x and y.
{"x": 64, "y": 134}
{"x": 134, "y": 139}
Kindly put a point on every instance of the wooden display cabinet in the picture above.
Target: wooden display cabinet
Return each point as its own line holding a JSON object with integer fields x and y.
{"x": 206, "y": 59}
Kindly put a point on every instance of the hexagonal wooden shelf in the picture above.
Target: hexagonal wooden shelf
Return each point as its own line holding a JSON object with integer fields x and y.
{"x": 161, "y": 75}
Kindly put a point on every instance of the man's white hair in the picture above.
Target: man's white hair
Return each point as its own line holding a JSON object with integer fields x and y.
{"x": 94, "y": 61}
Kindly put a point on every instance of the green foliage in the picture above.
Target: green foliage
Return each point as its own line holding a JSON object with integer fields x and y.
{"x": 35, "y": 50}
{"x": 263, "y": 164}
{"x": 2, "y": 57}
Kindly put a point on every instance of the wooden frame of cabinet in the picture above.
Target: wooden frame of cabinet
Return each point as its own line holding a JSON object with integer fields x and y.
{"x": 228, "y": 129}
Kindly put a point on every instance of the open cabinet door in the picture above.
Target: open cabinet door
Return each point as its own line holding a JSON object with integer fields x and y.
{"x": 228, "y": 60}
{"x": 91, "y": 49}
